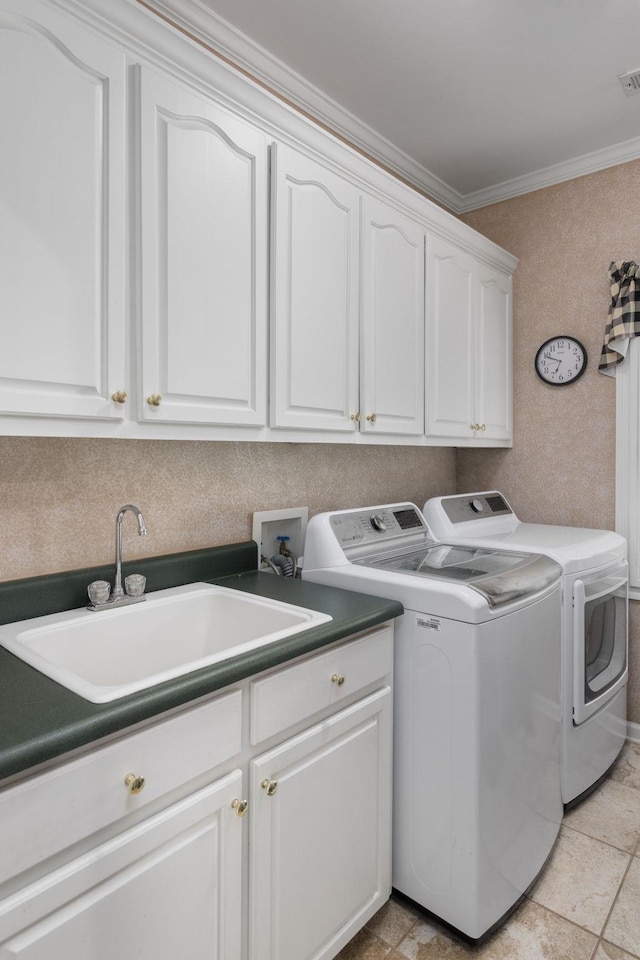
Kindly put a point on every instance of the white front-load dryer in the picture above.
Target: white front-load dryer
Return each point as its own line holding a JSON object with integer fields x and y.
{"x": 594, "y": 622}
{"x": 477, "y": 803}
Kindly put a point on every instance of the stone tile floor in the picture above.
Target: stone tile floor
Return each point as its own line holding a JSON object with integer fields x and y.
{"x": 585, "y": 906}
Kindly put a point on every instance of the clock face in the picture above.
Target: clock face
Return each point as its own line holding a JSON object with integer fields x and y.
{"x": 561, "y": 361}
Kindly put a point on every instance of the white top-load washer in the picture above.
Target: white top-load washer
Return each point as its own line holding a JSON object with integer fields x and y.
{"x": 594, "y": 622}
{"x": 477, "y": 802}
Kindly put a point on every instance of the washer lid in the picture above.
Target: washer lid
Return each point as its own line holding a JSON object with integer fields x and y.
{"x": 499, "y": 576}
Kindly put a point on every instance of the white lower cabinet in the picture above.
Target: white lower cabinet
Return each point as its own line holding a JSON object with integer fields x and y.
{"x": 167, "y": 888}
{"x": 319, "y": 834}
{"x": 136, "y": 848}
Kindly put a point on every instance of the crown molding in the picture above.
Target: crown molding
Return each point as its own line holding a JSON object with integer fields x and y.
{"x": 557, "y": 173}
{"x": 195, "y": 19}
{"x": 205, "y": 26}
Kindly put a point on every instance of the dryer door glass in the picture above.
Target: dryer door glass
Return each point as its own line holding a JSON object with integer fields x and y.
{"x": 600, "y": 638}
{"x": 605, "y": 631}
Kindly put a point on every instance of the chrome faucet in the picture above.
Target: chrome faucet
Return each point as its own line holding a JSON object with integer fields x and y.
{"x": 101, "y": 597}
{"x": 117, "y": 592}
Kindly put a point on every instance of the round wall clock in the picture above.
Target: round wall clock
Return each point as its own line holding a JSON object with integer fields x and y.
{"x": 560, "y": 360}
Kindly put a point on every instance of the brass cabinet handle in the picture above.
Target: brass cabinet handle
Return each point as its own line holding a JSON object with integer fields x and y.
{"x": 270, "y": 787}
{"x": 372, "y": 417}
{"x": 133, "y": 783}
{"x": 154, "y": 400}
{"x": 338, "y": 679}
{"x": 355, "y": 417}
{"x": 240, "y": 806}
{"x": 120, "y": 396}
{"x": 483, "y": 426}
{"x": 478, "y": 426}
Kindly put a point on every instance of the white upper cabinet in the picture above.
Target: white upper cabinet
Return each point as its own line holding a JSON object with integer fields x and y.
{"x": 450, "y": 348}
{"x": 314, "y": 295}
{"x": 468, "y": 346}
{"x": 182, "y": 256}
{"x": 203, "y": 187}
{"x": 62, "y": 249}
{"x": 494, "y": 365}
{"x": 392, "y": 322}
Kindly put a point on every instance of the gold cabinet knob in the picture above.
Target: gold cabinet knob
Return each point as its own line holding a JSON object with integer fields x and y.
{"x": 240, "y": 806}
{"x": 483, "y": 426}
{"x": 154, "y": 400}
{"x": 338, "y": 679}
{"x": 270, "y": 787}
{"x": 134, "y": 784}
{"x": 475, "y": 426}
{"x": 355, "y": 417}
{"x": 120, "y": 396}
{"x": 372, "y": 417}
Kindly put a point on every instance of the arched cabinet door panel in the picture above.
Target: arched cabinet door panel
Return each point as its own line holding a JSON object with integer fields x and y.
{"x": 469, "y": 346}
{"x": 203, "y": 236}
{"x": 62, "y": 177}
{"x": 392, "y": 330}
{"x": 450, "y": 340}
{"x": 314, "y": 295}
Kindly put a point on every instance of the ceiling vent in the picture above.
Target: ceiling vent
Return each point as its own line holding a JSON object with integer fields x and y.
{"x": 630, "y": 82}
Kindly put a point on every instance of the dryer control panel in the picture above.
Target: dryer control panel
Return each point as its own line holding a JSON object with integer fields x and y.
{"x": 475, "y": 506}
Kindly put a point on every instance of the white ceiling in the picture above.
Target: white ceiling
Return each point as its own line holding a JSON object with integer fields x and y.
{"x": 472, "y": 100}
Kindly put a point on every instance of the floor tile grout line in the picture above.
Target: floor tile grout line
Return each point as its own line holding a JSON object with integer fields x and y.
{"x": 615, "y": 900}
{"x": 395, "y": 945}
{"x": 573, "y": 923}
{"x": 583, "y": 833}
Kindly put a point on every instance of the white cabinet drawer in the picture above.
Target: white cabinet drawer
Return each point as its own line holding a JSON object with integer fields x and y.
{"x": 300, "y": 691}
{"x": 46, "y": 814}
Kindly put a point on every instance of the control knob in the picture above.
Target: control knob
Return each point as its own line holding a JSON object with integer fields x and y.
{"x": 377, "y": 522}
{"x": 477, "y": 506}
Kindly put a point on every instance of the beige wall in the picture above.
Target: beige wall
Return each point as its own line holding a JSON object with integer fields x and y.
{"x": 561, "y": 467}
{"x": 59, "y": 498}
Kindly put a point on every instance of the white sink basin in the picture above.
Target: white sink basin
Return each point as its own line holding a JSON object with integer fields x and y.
{"x": 106, "y": 655}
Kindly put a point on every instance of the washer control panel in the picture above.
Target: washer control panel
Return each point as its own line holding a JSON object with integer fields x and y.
{"x": 362, "y": 527}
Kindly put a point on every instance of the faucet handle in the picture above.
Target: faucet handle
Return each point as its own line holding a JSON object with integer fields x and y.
{"x": 99, "y": 591}
{"x": 134, "y": 584}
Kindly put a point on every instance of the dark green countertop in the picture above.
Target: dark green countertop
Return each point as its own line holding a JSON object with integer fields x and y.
{"x": 41, "y": 720}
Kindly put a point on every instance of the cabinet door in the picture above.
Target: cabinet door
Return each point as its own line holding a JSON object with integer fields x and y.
{"x": 204, "y": 182}
{"x": 314, "y": 295}
{"x": 494, "y": 362}
{"x": 319, "y": 846}
{"x": 61, "y": 216}
{"x": 173, "y": 882}
{"x": 392, "y": 326}
{"x": 450, "y": 332}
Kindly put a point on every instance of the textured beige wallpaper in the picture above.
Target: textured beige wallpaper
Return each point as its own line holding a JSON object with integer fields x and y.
{"x": 59, "y": 498}
{"x": 562, "y": 465}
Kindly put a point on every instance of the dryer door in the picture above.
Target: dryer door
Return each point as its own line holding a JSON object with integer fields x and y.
{"x": 600, "y": 609}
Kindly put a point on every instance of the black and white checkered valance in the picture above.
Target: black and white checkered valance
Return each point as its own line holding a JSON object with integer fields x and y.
{"x": 623, "y": 321}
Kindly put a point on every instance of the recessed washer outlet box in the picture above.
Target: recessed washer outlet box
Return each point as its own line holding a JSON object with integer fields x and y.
{"x": 630, "y": 82}
{"x": 268, "y": 525}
